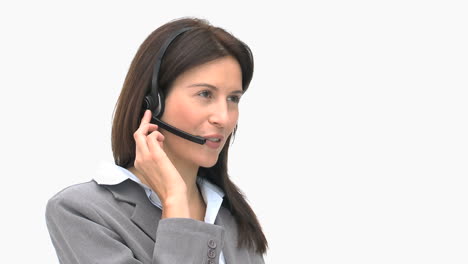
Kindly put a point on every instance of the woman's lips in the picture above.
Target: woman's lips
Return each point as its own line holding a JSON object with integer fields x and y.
{"x": 212, "y": 144}
{"x": 214, "y": 141}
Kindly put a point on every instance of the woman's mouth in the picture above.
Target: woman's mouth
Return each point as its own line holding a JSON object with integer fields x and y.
{"x": 213, "y": 141}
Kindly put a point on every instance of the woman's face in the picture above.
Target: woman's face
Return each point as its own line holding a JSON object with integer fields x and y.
{"x": 204, "y": 102}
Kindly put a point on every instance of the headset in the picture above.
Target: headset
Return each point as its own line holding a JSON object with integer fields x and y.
{"x": 154, "y": 100}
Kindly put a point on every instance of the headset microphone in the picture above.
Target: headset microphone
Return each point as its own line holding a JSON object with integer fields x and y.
{"x": 178, "y": 132}
{"x": 157, "y": 105}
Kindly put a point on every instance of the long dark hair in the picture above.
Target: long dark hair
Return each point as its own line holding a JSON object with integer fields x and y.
{"x": 201, "y": 44}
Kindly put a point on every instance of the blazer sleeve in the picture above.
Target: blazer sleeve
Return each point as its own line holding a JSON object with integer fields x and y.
{"x": 183, "y": 240}
{"x": 81, "y": 233}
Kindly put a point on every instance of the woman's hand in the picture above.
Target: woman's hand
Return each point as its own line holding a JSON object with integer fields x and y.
{"x": 156, "y": 170}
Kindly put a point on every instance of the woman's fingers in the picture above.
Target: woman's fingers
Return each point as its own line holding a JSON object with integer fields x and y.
{"x": 148, "y": 139}
{"x": 145, "y": 126}
{"x": 155, "y": 143}
{"x": 142, "y": 132}
{"x": 146, "y": 117}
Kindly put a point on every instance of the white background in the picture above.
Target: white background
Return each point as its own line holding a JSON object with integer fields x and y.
{"x": 352, "y": 144}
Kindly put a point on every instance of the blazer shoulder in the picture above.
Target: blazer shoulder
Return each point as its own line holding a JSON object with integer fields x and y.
{"x": 78, "y": 197}
{"x": 87, "y": 190}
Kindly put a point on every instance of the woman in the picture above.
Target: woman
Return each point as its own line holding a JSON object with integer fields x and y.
{"x": 168, "y": 197}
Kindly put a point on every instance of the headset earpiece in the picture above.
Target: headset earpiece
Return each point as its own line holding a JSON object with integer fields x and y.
{"x": 157, "y": 107}
{"x": 148, "y": 103}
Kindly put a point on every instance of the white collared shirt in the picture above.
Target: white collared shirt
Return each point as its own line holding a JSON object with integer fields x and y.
{"x": 111, "y": 174}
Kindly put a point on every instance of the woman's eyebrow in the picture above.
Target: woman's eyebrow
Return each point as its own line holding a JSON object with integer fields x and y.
{"x": 213, "y": 87}
{"x": 204, "y": 85}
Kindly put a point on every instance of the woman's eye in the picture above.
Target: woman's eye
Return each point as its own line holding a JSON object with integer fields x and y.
{"x": 206, "y": 94}
{"x": 234, "y": 98}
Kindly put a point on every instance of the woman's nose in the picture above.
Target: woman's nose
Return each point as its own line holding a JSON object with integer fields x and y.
{"x": 219, "y": 115}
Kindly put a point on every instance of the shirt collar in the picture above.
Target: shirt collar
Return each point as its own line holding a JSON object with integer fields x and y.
{"x": 110, "y": 174}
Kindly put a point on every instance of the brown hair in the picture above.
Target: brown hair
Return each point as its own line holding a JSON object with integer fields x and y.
{"x": 201, "y": 44}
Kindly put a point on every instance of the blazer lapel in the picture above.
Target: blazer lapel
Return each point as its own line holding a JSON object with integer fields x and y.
{"x": 145, "y": 215}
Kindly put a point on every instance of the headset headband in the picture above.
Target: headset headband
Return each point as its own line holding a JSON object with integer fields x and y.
{"x": 157, "y": 106}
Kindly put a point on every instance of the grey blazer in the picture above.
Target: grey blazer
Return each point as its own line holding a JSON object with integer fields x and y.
{"x": 92, "y": 223}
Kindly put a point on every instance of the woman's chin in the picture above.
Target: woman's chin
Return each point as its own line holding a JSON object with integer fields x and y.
{"x": 207, "y": 163}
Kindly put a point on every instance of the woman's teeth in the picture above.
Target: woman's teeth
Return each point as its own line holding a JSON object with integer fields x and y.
{"x": 214, "y": 139}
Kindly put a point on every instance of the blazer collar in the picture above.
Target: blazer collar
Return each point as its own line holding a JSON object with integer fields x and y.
{"x": 145, "y": 215}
